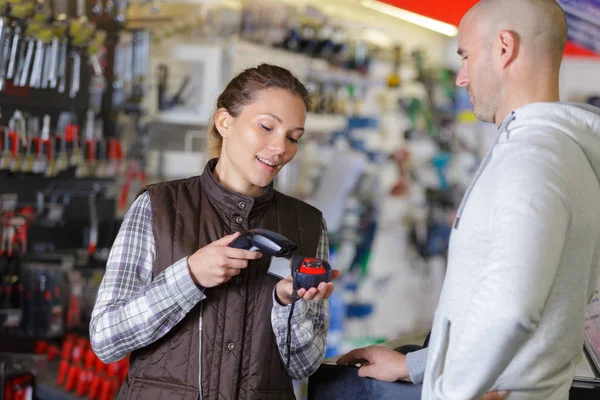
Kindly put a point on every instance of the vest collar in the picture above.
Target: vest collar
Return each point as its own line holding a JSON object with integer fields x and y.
{"x": 229, "y": 201}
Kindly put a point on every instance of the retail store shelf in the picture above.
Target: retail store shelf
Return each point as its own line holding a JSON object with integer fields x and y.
{"x": 314, "y": 122}
{"x": 324, "y": 123}
{"x": 181, "y": 117}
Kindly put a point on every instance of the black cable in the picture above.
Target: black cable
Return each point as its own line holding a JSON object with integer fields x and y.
{"x": 289, "y": 330}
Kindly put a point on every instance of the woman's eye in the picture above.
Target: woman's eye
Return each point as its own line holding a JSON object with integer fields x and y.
{"x": 291, "y": 139}
{"x": 266, "y": 128}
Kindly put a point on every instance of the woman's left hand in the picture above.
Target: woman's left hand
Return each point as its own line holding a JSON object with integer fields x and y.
{"x": 283, "y": 290}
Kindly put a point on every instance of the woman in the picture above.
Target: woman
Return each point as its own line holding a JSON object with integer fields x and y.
{"x": 211, "y": 323}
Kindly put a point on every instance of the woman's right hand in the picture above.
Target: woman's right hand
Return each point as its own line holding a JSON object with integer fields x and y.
{"x": 216, "y": 263}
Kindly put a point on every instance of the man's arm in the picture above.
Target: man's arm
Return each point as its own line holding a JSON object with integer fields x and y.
{"x": 530, "y": 217}
{"x": 415, "y": 363}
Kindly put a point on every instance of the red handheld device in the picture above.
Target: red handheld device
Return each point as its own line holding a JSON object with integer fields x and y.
{"x": 308, "y": 272}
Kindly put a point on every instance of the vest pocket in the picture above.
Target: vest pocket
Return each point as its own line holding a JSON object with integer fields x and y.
{"x": 144, "y": 389}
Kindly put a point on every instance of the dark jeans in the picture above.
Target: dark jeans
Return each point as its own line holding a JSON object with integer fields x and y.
{"x": 332, "y": 382}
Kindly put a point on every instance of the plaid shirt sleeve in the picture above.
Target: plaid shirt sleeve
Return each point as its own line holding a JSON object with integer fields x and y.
{"x": 310, "y": 324}
{"x": 132, "y": 310}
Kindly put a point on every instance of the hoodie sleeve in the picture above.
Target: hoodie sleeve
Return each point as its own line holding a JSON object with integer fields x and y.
{"x": 530, "y": 207}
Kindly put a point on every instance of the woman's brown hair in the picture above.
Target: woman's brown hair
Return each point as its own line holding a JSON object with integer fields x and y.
{"x": 243, "y": 88}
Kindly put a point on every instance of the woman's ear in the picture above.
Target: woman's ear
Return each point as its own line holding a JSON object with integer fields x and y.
{"x": 222, "y": 121}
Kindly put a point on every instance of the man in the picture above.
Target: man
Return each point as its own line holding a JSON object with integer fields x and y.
{"x": 525, "y": 249}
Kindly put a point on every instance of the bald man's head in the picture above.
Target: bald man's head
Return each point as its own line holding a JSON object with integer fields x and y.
{"x": 540, "y": 24}
{"x": 510, "y": 48}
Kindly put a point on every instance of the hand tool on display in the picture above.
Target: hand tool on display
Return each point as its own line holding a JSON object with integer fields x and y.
{"x": 87, "y": 373}
{"x": 22, "y": 76}
{"x": 65, "y": 355}
{"x": 115, "y": 155}
{"x": 18, "y": 12}
{"x": 32, "y": 135}
{"x": 22, "y": 51}
{"x": 49, "y": 147}
{"x": 81, "y": 30}
{"x": 62, "y": 159}
{"x": 76, "y": 74}
{"x": 93, "y": 50}
{"x": 97, "y": 85}
{"x": 89, "y": 163}
{"x": 61, "y": 72}
{"x": 4, "y": 49}
{"x": 39, "y": 140}
{"x": 12, "y": 62}
{"x": 39, "y": 165}
{"x": 54, "y": 51}
{"x": 60, "y": 26}
{"x": 6, "y": 157}
{"x": 44, "y": 35}
{"x": 17, "y": 127}
{"x": 45, "y": 75}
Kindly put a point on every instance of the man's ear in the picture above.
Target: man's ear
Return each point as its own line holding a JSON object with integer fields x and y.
{"x": 223, "y": 121}
{"x": 509, "y": 42}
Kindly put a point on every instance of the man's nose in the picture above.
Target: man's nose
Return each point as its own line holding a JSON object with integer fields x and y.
{"x": 462, "y": 79}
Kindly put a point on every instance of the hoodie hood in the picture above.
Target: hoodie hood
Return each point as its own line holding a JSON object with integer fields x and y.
{"x": 581, "y": 122}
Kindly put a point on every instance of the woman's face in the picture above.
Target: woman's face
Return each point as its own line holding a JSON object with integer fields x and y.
{"x": 260, "y": 141}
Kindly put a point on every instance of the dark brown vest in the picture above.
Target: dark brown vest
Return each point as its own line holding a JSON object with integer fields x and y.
{"x": 240, "y": 359}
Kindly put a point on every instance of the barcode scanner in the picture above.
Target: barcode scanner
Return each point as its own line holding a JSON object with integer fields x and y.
{"x": 265, "y": 241}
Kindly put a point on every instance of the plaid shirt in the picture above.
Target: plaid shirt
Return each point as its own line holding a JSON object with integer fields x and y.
{"x": 133, "y": 311}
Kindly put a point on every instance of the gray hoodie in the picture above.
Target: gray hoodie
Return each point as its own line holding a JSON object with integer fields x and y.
{"x": 523, "y": 261}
